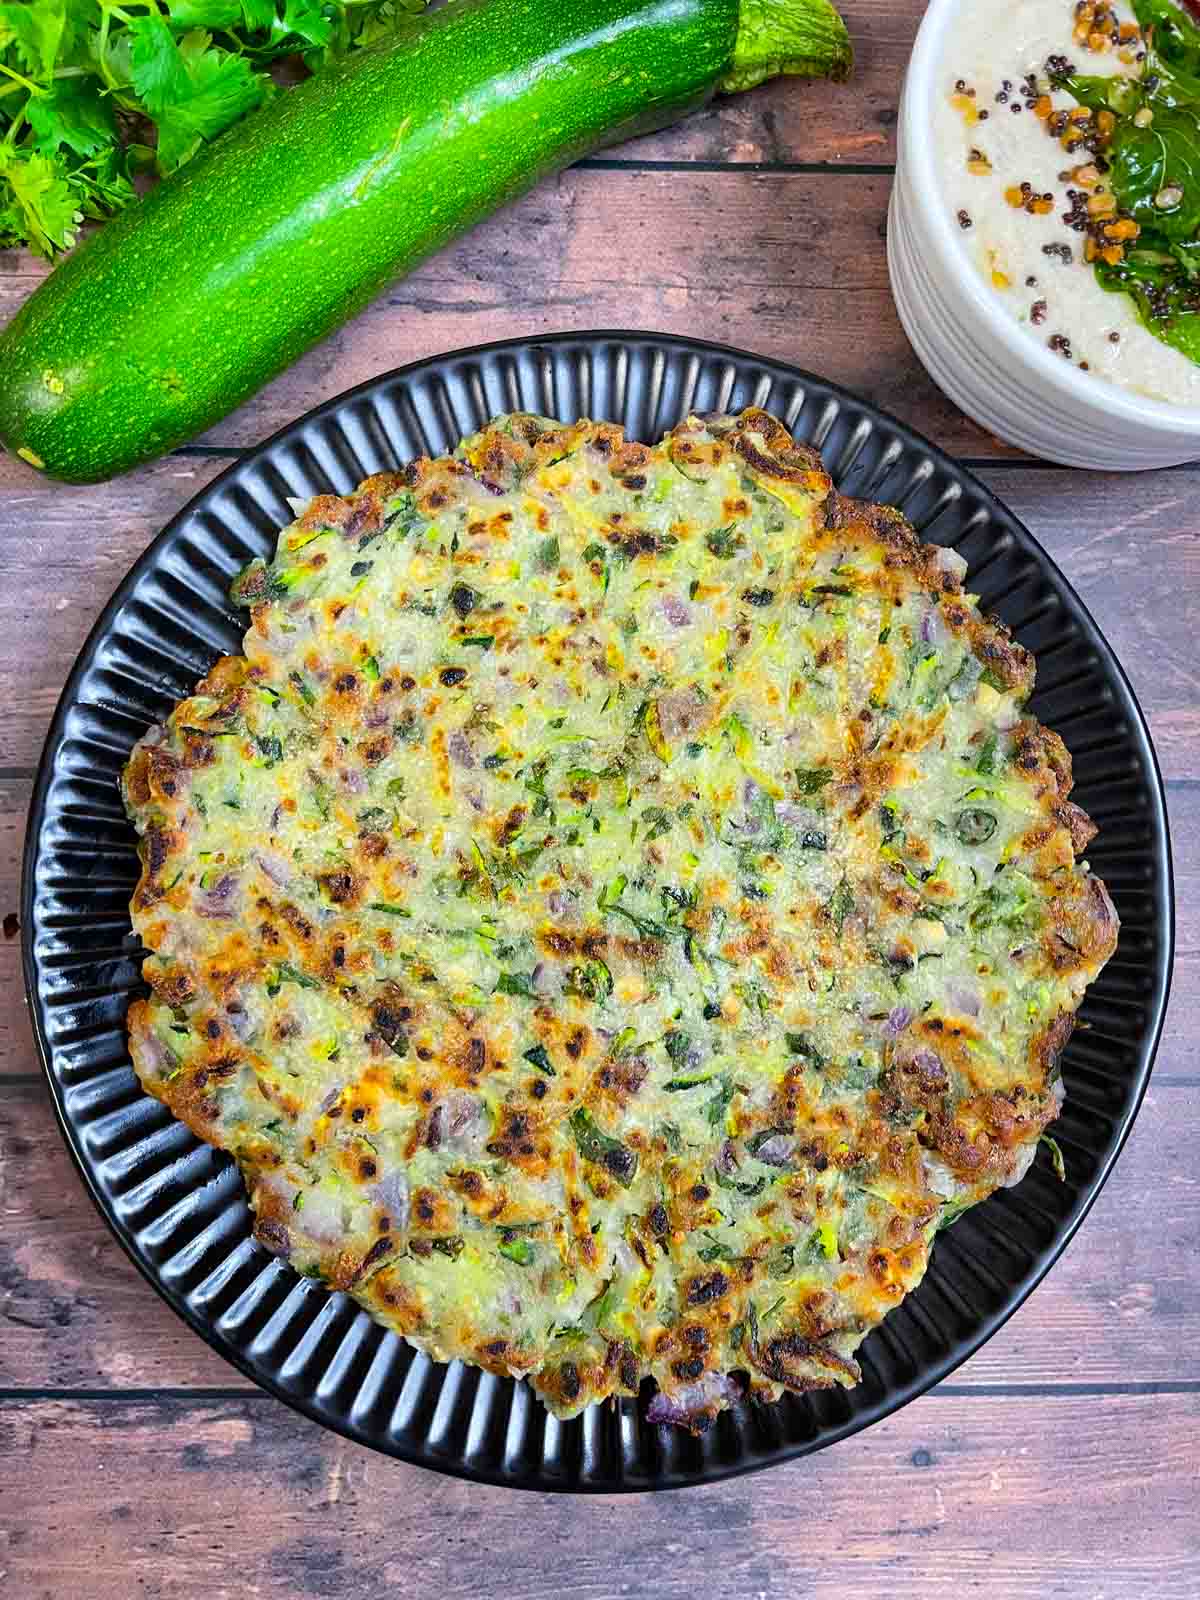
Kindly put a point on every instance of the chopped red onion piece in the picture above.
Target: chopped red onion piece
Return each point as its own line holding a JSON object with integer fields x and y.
{"x": 950, "y": 561}
{"x": 460, "y": 750}
{"x": 696, "y": 1403}
{"x": 897, "y": 1021}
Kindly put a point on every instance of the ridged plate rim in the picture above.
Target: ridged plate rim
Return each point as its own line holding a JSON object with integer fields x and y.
{"x": 664, "y": 1458}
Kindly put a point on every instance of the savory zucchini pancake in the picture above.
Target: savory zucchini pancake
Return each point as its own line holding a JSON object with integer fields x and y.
{"x": 616, "y": 910}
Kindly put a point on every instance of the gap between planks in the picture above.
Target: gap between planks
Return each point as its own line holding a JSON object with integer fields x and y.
{"x": 218, "y": 1395}
{"x": 237, "y": 452}
{"x": 806, "y": 169}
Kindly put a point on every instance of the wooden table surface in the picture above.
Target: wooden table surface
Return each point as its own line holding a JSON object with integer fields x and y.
{"x": 1064, "y": 1458}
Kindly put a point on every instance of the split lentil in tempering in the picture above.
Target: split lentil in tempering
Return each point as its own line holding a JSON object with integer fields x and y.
{"x": 616, "y": 931}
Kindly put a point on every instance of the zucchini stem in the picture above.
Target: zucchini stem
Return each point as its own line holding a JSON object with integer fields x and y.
{"x": 800, "y": 38}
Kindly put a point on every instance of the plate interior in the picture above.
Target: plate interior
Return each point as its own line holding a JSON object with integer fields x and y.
{"x": 178, "y": 1207}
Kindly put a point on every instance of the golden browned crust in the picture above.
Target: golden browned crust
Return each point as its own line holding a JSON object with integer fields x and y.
{"x": 474, "y": 1085}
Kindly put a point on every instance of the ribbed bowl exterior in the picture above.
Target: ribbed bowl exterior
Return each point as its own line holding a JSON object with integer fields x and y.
{"x": 973, "y": 350}
{"x": 178, "y": 1207}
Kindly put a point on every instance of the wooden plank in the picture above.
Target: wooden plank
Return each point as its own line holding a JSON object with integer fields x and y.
{"x": 956, "y": 1494}
{"x": 788, "y": 264}
{"x": 791, "y": 120}
{"x": 66, "y": 550}
{"x": 1125, "y": 544}
{"x": 1122, "y": 1305}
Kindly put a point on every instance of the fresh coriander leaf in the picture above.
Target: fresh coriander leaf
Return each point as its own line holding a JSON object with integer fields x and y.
{"x": 1056, "y": 1157}
{"x": 37, "y": 32}
{"x": 539, "y": 1057}
{"x": 841, "y": 904}
{"x": 216, "y": 15}
{"x": 547, "y": 555}
{"x": 72, "y": 113}
{"x": 516, "y": 983}
{"x": 45, "y": 200}
{"x": 596, "y": 1145}
{"x": 160, "y": 75}
{"x": 718, "y": 1105}
{"x": 221, "y": 89}
{"x": 812, "y": 780}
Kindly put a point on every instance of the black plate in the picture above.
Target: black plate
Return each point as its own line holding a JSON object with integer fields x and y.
{"x": 178, "y": 1207}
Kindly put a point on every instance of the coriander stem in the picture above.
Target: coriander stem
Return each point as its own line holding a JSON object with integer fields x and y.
{"x": 22, "y": 82}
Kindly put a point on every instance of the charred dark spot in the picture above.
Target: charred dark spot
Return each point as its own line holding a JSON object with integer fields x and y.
{"x": 367, "y": 1168}
{"x": 423, "y": 1207}
{"x": 512, "y": 824}
{"x": 699, "y": 1191}
{"x": 378, "y": 1250}
{"x": 274, "y": 1235}
{"x": 539, "y": 1088}
{"x": 463, "y": 599}
{"x": 388, "y": 1020}
{"x": 408, "y": 683}
{"x": 576, "y": 1042}
{"x": 212, "y": 1028}
{"x": 339, "y": 957}
{"x": 358, "y": 1114}
{"x": 346, "y": 683}
{"x": 707, "y": 1288}
{"x": 689, "y": 1370}
{"x": 779, "y": 1360}
{"x": 476, "y": 1055}
{"x": 659, "y": 1220}
{"x": 157, "y": 845}
{"x": 341, "y": 887}
{"x": 630, "y": 1374}
{"x": 633, "y": 542}
{"x": 496, "y": 1348}
{"x": 298, "y": 923}
{"x": 449, "y": 677}
{"x": 569, "y": 1381}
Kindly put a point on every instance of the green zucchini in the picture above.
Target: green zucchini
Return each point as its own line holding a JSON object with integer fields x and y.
{"x": 185, "y": 304}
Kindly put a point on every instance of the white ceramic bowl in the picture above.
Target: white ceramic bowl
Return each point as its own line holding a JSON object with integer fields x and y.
{"x": 972, "y": 349}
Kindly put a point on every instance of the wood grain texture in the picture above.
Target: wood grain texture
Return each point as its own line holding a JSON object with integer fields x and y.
{"x": 1062, "y": 1460}
{"x": 792, "y": 121}
{"x": 788, "y": 264}
{"x": 242, "y": 1498}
